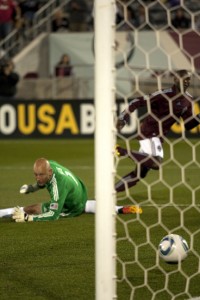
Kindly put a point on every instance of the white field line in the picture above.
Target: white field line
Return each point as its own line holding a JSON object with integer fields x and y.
{"x": 86, "y": 167}
{"x": 27, "y": 168}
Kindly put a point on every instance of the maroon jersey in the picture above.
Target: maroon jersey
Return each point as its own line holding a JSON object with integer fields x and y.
{"x": 7, "y": 7}
{"x": 164, "y": 109}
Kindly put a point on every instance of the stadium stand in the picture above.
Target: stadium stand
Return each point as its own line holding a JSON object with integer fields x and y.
{"x": 41, "y": 23}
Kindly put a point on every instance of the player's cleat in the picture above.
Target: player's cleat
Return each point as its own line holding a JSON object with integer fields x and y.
{"x": 120, "y": 151}
{"x": 131, "y": 209}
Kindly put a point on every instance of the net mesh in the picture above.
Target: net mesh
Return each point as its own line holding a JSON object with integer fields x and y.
{"x": 154, "y": 39}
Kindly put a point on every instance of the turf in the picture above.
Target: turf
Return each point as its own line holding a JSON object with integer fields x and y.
{"x": 56, "y": 260}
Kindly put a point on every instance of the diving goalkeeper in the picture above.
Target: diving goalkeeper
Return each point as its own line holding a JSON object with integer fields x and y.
{"x": 68, "y": 195}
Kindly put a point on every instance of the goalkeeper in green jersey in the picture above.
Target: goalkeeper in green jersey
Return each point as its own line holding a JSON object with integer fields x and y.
{"x": 67, "y": 192}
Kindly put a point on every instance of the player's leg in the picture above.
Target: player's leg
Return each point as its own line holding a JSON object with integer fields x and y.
{"x": 34, "y": 209}
{"x": 90, "y": 207}
{"x": 7, "y": 212}
{"x": 148, "y": 160}
{"x": 149, "y": 157}
{"x": 131, "y": 179}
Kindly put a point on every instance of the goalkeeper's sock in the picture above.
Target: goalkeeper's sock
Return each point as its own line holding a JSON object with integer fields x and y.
{"x": 90, "y": 207}
{"x": 7, "y": 212}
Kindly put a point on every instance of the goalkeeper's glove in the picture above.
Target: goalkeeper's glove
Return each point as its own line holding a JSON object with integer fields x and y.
{"x": 29, "y": 188}
{"x": 20, "y": 216}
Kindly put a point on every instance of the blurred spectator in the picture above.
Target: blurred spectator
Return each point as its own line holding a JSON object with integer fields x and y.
{"x": 141, "y": 18}
{"x": 64, "y": 67}
{"x": 8, "y": 79}
{"x": 9, "y": 13}
{"x": 79, "y": 14}
{"x": 197, "y": 22}
{"x": 28, "y": 10}
{"x": 131, "y": 18}
{"x": 59, "y": 22}
{"x": 180, "y": 20}
{"x": 173, "y": 3}
{"x": 126, "y": 16}
{"x": 2, "y": 53}
{"x": 119, "y": 13}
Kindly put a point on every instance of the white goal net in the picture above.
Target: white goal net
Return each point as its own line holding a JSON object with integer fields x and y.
{"x": 155, "y": 39}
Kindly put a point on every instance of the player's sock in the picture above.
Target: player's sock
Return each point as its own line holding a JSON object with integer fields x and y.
{"x": 7, "y": 212}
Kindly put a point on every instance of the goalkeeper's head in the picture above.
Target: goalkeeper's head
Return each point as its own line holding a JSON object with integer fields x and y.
{"x": 182, "y": 80}
{"x": 42, "y": 171}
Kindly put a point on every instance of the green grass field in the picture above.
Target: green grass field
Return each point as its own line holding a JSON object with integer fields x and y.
{"x": 55, "y": 260}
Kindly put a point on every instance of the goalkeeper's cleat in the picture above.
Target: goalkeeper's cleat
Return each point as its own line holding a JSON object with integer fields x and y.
{"x": 120, "y": 151}
{"x": 131, "y": 209}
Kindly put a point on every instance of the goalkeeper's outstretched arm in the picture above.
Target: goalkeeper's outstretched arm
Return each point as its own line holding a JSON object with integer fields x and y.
{"x": 30, "y": 188}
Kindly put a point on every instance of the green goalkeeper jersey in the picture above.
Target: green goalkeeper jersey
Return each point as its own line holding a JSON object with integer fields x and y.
{"x": 68, "y": 195}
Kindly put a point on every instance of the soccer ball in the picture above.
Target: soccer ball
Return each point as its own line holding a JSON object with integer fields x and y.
{"x": 173, "y": 248}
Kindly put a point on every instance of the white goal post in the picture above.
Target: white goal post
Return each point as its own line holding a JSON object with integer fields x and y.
{"x": 104, "y": 146}
{"x": 135, "y": 58}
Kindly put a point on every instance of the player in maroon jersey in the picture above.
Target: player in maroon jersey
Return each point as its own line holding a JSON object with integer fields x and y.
{"x": 165, "y": 108}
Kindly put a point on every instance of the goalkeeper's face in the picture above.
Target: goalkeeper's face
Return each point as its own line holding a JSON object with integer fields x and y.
{"x": 42, "y": 173}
